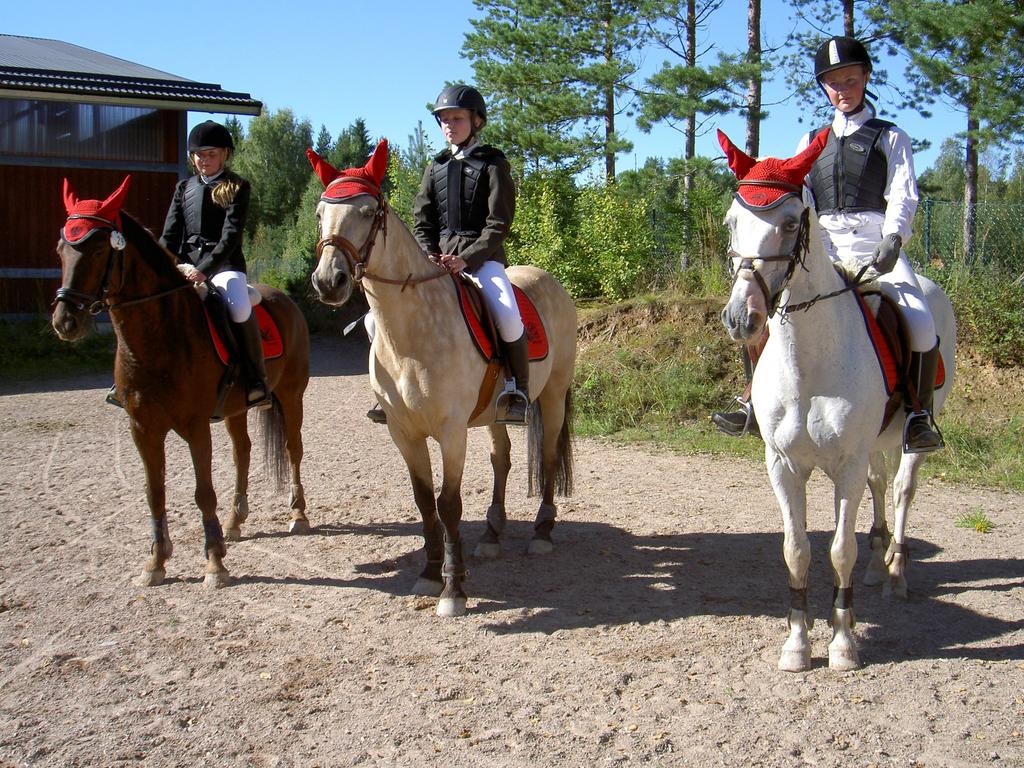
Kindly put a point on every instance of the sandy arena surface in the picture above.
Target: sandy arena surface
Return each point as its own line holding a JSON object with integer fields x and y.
{"x": 649, "y": 636}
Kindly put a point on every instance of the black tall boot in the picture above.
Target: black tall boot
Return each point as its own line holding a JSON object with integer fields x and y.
{"x": 517, "y": 393}
{"x": 920, "y": 435}
{"x": 741, "y": 421}
{"x": 255, "y": 368}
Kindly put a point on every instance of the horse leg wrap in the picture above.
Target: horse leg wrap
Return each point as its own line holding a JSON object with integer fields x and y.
{"x": 454, "y": 565}
{"x": 842, "y": 599}
{"x": 882, "y": 534}
{"x": 240, "y": 507}
{"x": 897, "y": 548}
{"x": 496, "y": 518}
{"x": 297, "y": 497}
{"x": 214, "y": 535}
{"x": 159, "y": 528}
{"x": 798, "y": 602}
{"x": 546, "y": 514}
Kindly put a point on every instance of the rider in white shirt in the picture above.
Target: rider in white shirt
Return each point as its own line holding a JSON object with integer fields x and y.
{"x": 865, "y": 193}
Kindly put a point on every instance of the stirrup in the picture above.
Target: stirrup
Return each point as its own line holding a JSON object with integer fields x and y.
{"x": 377, "y": 415}
{"x": 111, "y": 397}
{"x": 930, "y": 436}
{"x": 263, "y": 401}
{"x": 737, "y": 423}
{"x": 512, "y": 405}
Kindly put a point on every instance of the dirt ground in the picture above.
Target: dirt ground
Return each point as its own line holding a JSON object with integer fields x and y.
{"x": 650, "y": 635}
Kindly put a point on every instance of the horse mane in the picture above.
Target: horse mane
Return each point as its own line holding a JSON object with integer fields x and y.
{"x": 161, "y": 260}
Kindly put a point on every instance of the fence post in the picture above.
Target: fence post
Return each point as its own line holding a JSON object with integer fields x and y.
{"x": 927, "y": 231}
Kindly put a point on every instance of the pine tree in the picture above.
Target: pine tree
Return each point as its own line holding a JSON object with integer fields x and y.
{"x": 553, "y": 72}
{"x": 970, "y": 54}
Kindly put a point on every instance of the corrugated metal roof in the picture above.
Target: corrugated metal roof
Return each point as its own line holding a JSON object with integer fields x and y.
{"x": 48, "y": 68}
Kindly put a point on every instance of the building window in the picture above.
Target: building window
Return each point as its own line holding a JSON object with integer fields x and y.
{"x": 81, "y": 131}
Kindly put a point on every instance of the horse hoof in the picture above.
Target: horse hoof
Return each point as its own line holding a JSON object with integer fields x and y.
{"x": 217, "y": 580}
{"x": 540, "y": 547}
{"x": 152, "y": 578}
{"x": 427, "y": 588}
{"x": 795, "y": 661}
{"x": 895, "y": 589}
{"x": 451, "y": 606}
{"x": 875, "y": 575}
{"x": 232, "y": 534}
{"x": 843, "y": 659}
{"x": 487, "y": 550}
{"x": 299, "y": 527}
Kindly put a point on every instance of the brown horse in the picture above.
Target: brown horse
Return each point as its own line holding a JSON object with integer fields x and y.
{"x": 427, "y": 374}
{"x": 167, "y": 370}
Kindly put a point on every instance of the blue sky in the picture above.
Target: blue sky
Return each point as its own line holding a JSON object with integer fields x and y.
{"x": 332, "y": 62}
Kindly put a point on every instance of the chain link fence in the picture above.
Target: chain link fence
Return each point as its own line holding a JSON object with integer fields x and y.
{"x": 998, "y": 235}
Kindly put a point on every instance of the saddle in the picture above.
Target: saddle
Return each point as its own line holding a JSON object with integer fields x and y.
{"x": 888, "y": 332}
{"x": 221, "y": 334}
{"x": 480, "y": 326}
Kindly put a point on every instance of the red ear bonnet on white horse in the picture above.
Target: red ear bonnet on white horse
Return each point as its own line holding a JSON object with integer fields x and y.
{"x": 87, "y": 216}
{"x": 339, "y": 185}
{"x": 766, "y": 183}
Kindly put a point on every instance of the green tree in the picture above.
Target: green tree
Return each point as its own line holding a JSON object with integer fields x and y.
{"x": 324, "y": 143}
{"x": 970, "y": 54}
{"x": 353, "y": 147}
{"x": 273, "y": 158}
{"x": 553, "y": 72}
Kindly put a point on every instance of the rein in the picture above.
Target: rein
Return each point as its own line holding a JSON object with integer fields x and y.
{"x": 358, "y": 258}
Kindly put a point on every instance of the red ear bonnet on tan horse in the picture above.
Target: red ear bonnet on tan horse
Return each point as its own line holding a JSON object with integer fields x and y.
{"x": 766, "y": 183}
{"x": 339, "y": 185}
{"x": 85, "y": 217}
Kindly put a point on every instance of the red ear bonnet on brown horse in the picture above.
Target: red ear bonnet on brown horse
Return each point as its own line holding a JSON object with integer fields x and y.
{"x": 766, "y": 183}
{"x": 352, "y": 181}
{"x": 87, "y": 216}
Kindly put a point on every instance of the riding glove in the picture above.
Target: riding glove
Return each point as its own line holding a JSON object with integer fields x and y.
{"x": 886, "y": 253}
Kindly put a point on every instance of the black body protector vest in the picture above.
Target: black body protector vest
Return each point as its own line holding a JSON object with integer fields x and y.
{"x": 203, "y": 217}
{"x": 461, "y": 188}
{"x": 850, "y": 173}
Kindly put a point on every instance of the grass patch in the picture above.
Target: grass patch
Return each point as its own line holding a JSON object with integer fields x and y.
{"x": 31, "y": 350}
{"x": 653, "y": 369}
{"x": 976, "y": 520}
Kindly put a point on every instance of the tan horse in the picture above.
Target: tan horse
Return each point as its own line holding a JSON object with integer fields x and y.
{"x": 427, "y": 373}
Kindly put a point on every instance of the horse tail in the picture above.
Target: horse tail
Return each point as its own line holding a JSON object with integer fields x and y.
{"x": 275, "y": 458}
{"x": 536, "y": 475}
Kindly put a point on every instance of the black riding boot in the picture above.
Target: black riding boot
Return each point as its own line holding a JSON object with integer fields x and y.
{"x": 741, "y": 421}
{"x": 517, "y": 399}
{"x": 920, "y": 435}
{"x": 254, "y": 367}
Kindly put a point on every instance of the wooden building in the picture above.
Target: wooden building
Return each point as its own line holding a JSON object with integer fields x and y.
{"x": 67, "y": 111}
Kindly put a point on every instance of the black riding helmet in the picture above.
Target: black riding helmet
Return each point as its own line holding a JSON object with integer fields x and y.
{"x": 460, "y": 96}
{"x": 838, "y": 52}
{"x": 209, "y": 135}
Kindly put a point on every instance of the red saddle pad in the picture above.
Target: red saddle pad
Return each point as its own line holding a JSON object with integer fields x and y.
{"x": 536, "y": 336}
{"x": 273, "y": 346}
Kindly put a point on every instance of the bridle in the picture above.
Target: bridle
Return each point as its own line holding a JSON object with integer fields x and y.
{"x": 793, "y": 259}
{"x": 96, "y": 303}
{"x": 358, "y": 258}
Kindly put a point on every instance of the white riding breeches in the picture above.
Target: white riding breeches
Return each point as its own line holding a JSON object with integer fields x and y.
{"x": 233, "y": 286}
{"x": 857, "y": 246}
{"x": 492, "y": 281}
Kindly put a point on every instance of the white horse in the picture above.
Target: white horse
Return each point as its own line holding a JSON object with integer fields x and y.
{"x": 427, "y": 373}
{"x": 818, "y": 391}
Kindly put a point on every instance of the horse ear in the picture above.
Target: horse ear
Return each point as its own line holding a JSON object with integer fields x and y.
{"x": 116, "y": 199}
{"x": 739, "y": 161}
{"x": 70, "y": 196}
{"x": 377, "y": 165}
{"x": 324, "y": 170}
{"x": 801, "y": 164}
